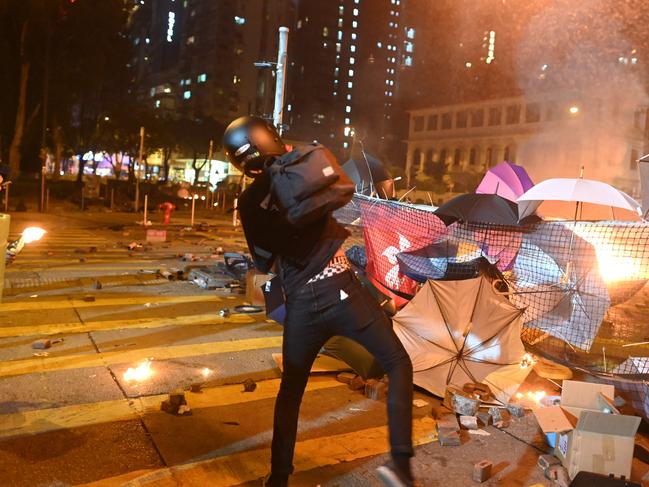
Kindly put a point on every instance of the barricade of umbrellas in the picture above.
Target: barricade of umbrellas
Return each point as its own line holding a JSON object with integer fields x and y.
{"x": 509, "y": 267}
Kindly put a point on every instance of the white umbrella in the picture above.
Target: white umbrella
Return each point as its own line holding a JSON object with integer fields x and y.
{"x": 604, "y": 197}
{"x": 462, "y": 331}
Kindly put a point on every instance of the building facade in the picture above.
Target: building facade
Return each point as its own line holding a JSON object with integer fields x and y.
{"x": 549, "y": 136}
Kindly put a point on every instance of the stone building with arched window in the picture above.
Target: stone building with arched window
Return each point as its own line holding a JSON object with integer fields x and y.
{"x": 549, "y": 136}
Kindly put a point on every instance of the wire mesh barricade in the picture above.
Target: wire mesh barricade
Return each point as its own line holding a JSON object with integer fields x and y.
{"x": 582, "y": 285}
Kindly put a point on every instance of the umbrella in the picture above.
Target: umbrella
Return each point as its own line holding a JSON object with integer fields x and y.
{"x": 462, "y": 331}
{"x": 367, "y": 172}
{"x": 274, "y": 299}
{"x": 582, "y": 199}
{"x": 507, "y": 180}
{"x": 557, "y": 278}
{"x": 479, "y": 208}
{"x": 442, "y": 260}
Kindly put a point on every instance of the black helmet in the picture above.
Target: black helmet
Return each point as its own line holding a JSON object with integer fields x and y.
{"x": 250, "y": 142}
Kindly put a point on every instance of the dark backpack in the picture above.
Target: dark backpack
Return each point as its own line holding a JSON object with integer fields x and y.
{"x": 308, "y": 183}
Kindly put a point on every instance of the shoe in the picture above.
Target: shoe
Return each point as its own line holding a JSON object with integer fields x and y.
{"x": 392, "y": 478}
{"x": 266, "y": 482}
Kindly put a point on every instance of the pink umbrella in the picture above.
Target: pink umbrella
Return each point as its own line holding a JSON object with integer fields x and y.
{"x": 507, "y": 180}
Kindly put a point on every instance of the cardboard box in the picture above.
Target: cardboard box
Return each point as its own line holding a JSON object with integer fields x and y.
{"x": 254, "y": 281}
{"x": 587, "y": 439}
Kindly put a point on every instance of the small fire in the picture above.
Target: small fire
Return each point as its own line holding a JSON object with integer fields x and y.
{"x": 32, "y": 234}
{"x": 527, "y": 361}
{"x": 533, "y": 398}
{"x": 206, "y": 372}
{"x": 140, "y": 373}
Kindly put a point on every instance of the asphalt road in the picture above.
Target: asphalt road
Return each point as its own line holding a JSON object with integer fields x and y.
{"x": 70, "y": 415}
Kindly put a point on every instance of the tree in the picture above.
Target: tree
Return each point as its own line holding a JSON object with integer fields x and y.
{"x": 194, "y": 138}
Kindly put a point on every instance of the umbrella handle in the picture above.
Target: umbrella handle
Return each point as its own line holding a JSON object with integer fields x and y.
{"x": 494, "y": 285}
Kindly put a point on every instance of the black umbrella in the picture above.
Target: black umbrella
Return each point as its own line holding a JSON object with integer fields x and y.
{"x": 479, "y": 208}
{"x": 366, "y": 171}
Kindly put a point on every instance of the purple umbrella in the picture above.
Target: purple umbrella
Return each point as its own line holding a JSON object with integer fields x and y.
{"x": 507, "y": 180}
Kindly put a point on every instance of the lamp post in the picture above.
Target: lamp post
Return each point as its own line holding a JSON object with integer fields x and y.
{"x": 138, "y": 174}
{"x": 280, "y": 77}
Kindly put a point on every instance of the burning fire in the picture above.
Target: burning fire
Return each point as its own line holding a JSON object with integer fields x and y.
{"x": 32, "y": 234}
{"x": 533, "y": 398}
{"x": 206, "y": 372}
{"x": 528, "y": 360}
{"x": 140, "y": 373}
{"x": 613, "y": 259}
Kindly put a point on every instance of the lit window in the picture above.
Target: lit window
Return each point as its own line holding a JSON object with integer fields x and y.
{"x": 379, "y": 45}
{"x": 350, "y": 72}
{"x": 190, "y": 40}
{"x": 410, "y": 33}
{"x": 341, "y": 10}
{"x": 147, "y": 40}
{"x": 350, "y": 84}
{"x": 354, "y": 36}
{"x": 408, "y": 61}
{"x": 157, "y": 103}
{"x": 348, "y": 109}
{"x": 349, "y": 97}
{"x": 167, "y": 90}
{"x": 409, "y": 46}
{"x": 152, "y": 92}
{"x": 202, "y": 78}
{"x": 355, "y": 12}
{"x": 239, "y": 20}
{"x": 352, "y": 48}
{"x": 187, "y": 95}
{"x": 325, "y": 32}
{"x": 354, "y": 24}
{"x": 352, "y": 60}
{"x": 347, "y": 121}
{"x": 346, "y": 131}
{"x": 345, "y": 145}
{"x": 340, "y": 35}
{"x": 236, "y": 79}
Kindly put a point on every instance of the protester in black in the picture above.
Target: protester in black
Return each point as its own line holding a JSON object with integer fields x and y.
{"x": 323, "y": 299}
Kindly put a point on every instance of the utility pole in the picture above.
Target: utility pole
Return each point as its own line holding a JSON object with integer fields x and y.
{"x": 280, "y": 78}
{"x": 138, "y": 174}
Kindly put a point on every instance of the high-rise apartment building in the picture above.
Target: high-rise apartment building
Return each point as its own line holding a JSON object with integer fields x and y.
{"x": 195, "y": 58}
{"x": 344, "y": 58}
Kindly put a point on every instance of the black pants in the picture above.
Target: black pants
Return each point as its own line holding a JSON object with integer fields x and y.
{"x": 315, "y": 313}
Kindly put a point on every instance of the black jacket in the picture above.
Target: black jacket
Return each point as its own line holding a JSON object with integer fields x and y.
{"x": 302, "y": 251}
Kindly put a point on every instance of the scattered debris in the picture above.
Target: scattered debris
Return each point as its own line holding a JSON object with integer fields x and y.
{"x": 248, "y": 309}
{"x": 419, "y": 403}
{"x": 249, "y": 385}
{"x": 176, "y": 404}
{"x": 231, "y": 423}
{"x": 89, "y": 298}
{"x": 461, "y": 402}
{"x": 499, "y": 414}
{"x": 41, "y": 354}
{"x": 134, "y": 246}
{"x": 482, "y": 471}
{"x": 503, "y": 424}
{"x": 376, "y": 390}
{"x": 546, "y": 461}
{"x": 196, "y": 387}
{"x": 479, "y": 432}
{"x": 516, "y": 410}
{"x": 606, "y": 405}
{"x": 357, "y": 383}
{"x": 484, "y": 418}
{"x": 97, "y": 285}
{"x": 559, "y": 474}
{"x": 224, "y": 313}
{"x": 469, "y": 422}
{"x": 42, "y": 344}
{"x": 345, "y": 377}
{"x": 479, "y": 390}
{"x": 448, "y": 429}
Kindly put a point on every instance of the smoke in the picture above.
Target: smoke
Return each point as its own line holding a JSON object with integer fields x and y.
{"x": 588, "y": 55}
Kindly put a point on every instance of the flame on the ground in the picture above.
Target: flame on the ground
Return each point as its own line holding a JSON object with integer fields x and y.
{"x": 533, "y": 398}
{"x": 140, "y": 373}
{"x": 32, "y": 234}
{"x": 205, "y": 372}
